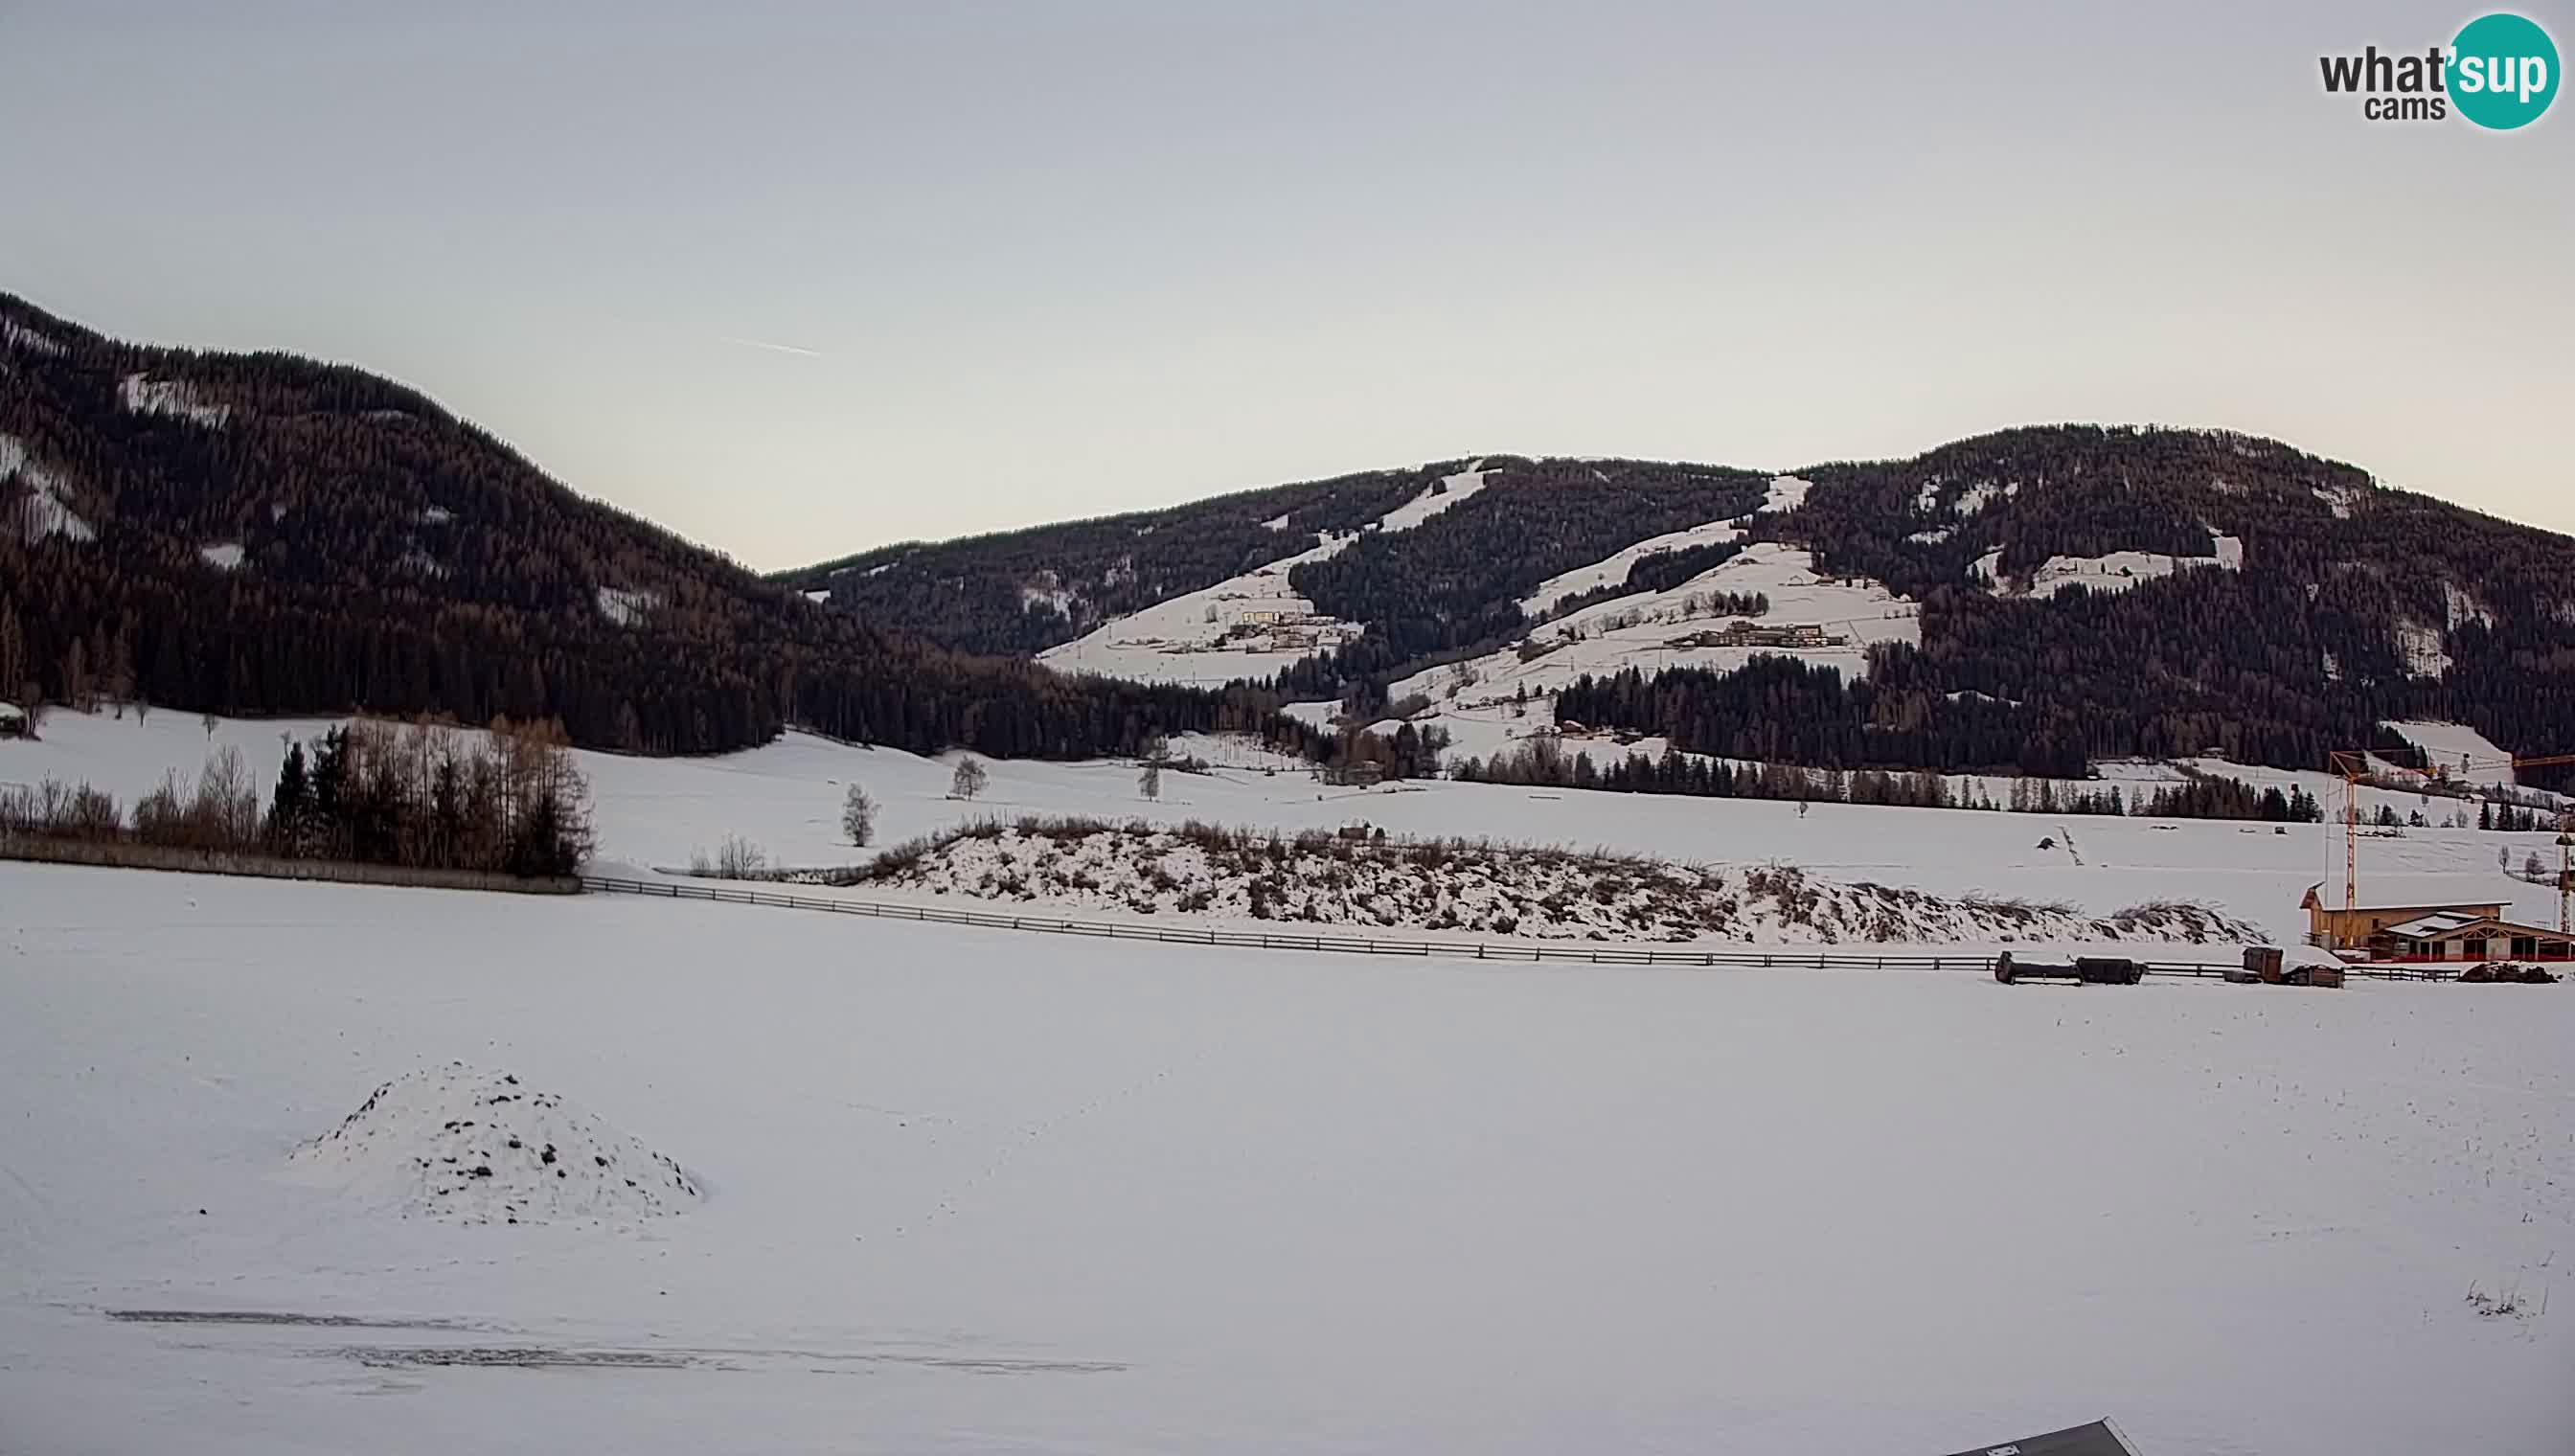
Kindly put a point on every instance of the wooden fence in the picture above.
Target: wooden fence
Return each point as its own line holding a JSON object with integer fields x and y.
{"x": 128, "y": 854}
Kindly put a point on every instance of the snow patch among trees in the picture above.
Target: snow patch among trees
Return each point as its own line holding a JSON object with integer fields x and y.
{"x": 2120, "y": 570}
{"x": 1977, "y": 496}
{"x": 2422, "y": 649}
{"x": 19, "y": 336}
{"x": 223, "y": 556}
{"x": 474, "y": 1146}
{"x": 176, "y": 398}
{"x": 626, "y": 608}
{"x": 42, "y": 511}
{"x": 2462, "y": 608}
{"x": 1054, "y": 597}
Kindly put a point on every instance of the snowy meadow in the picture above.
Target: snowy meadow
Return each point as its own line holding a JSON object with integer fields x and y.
{"x": 970, "y": 1192}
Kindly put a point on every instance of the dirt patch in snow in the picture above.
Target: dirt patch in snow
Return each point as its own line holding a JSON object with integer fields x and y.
{"x": 1364, "y": 878}
{"x": 475, "y": 1146}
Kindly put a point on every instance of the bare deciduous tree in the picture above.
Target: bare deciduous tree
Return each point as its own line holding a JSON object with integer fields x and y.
{"x": 859, "y": 816}
{"x": 969, "y": 779}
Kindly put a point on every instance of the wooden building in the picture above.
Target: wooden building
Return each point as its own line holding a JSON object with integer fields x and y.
{"x": 2332, "y": 928}
{"x": 2452, "y": 935}
{"x": 2430, "y": 929}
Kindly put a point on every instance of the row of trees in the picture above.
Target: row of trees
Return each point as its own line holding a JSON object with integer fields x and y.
{"x": 421, "y": 795}
{"x": 1543, "y": 760}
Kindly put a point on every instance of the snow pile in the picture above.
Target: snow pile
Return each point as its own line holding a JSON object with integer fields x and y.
{"x": 175, "y": 397}
{"x": 43, "y": 512}
{"x": 1352, "y": 878}
{"x": 625, "y": 608}
{"x": 479, "y": 1147}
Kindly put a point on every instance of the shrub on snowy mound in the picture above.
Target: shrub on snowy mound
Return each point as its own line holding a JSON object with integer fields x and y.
{"x": 1362, "y": 878}
{"x": 482, "y": 1147}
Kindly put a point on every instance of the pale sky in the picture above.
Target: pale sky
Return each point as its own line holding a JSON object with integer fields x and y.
{"x": 797, "y": 280}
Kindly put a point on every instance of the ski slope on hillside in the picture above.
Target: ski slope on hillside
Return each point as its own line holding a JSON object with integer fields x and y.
{"x": 970, "y": 1192}
{"x": 1683, "y": 628}
{"x": 1251, "y": 625}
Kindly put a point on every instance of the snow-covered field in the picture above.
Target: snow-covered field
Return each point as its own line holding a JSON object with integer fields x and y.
{"x": 975, "y": 1192}
{"x": 786, "y": 799}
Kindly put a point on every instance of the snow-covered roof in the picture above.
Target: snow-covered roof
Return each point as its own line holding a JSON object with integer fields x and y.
{"x": 2432, "y": 926}
{"x": 2452, "y": 922}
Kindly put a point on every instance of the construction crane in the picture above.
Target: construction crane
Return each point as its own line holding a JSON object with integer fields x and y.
{"x": 2357, "y": 767}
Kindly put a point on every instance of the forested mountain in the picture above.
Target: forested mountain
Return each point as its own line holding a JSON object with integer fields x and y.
{"x": 262, "y": 533}
{"x": 2084, "y": 591}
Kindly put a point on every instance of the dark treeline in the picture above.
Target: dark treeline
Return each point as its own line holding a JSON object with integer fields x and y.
{"x": 1781, "y": 709}
{"x": 1546, "y": 762}
{"x": 1663, "y": 570}
{"x": 317, "y": 540}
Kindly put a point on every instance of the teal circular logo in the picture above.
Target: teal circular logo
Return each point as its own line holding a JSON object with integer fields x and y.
{"x": 2503, "y": 71}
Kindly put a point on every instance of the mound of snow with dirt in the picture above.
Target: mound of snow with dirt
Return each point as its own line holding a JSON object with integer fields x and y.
{"x": 1354, "y": 878}
{"x": 475, "y": 1146}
